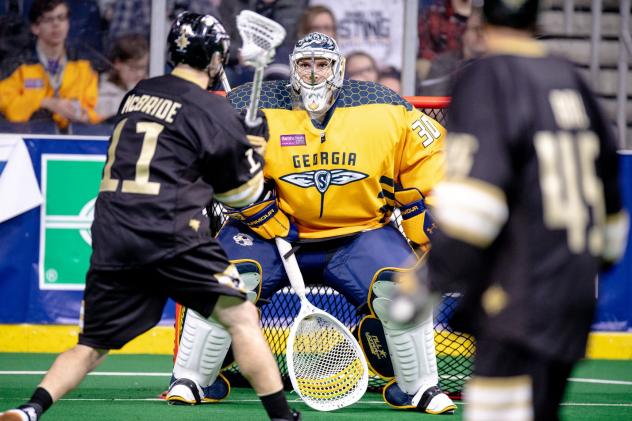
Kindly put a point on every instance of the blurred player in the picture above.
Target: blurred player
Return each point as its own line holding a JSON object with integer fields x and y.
{"x": 174, "y": 146}
{"x": 529, "y": 212}
{"x": 342, "y": 155}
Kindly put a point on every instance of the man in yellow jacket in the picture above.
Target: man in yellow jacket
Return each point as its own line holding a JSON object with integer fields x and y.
{"x": 51, "y": 80}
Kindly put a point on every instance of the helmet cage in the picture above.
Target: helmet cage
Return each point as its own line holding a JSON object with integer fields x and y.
{"x": 317, "y": 98}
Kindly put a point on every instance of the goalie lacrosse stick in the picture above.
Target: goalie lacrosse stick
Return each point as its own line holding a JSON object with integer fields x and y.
{"x": 325, "y": 363}
{"x": 260, "y": 37}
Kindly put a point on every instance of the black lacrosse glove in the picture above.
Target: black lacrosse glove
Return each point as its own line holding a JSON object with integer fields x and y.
{"x": 258, "y": 135}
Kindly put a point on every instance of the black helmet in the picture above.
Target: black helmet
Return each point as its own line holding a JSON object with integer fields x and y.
{"x": 519, "y": 14}
{"x": 194, "y": 38}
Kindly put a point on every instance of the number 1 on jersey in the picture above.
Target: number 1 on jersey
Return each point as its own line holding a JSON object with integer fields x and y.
{"x": 141, "y": 183}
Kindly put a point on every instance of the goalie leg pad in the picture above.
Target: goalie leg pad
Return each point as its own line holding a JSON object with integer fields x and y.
{"x": 411, "y": 348}
{"x": 203, "y": 347}
{"x": 250, "y": 275}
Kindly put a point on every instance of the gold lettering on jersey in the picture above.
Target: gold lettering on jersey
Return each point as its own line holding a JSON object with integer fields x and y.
{"x": 161, "y": 108}
{"x": 325, "y": 158}
{"x": 568, "y": 109}
{"x": 459, "y": 154}
{"x": 426, "y": 130}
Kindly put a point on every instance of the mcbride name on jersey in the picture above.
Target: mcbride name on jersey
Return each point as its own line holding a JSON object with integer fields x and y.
{"x": 338, "y": 178}
{"x": 173, "y": 147}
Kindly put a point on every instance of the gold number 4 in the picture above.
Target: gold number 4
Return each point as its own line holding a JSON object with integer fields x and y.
{"x": 571, "y": 188}
{"x": 140, "y": 184}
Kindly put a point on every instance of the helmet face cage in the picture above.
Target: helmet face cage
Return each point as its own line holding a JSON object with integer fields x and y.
{"x": 194, "y": 39}
{"x": 317, "y": 98}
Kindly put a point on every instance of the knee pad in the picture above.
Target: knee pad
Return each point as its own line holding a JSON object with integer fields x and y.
{"x": 203, "y": 347}
{"x": 411, "y": 346}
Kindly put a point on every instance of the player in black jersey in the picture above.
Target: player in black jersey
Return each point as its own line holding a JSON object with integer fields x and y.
{"x": 529, "y": 212}
{"x": 173, "y": 148}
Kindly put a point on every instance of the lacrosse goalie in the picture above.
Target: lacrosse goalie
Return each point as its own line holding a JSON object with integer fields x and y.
{"x": 342, "y": 156}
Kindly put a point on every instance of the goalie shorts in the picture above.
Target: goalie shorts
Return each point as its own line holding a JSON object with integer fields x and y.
{"x": 346, "y": 264}
{"x": 119, "y": 305}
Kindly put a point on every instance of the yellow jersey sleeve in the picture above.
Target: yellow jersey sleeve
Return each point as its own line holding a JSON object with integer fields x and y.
{"x": 338, "y": 178}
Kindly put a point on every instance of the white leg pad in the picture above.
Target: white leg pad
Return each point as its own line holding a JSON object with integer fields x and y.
{"x": 412, "y": 349}
{"x": 203, "y": 347}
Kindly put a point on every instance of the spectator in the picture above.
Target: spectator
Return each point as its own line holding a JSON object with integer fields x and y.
{"x": 134, "y": 16}
{"x": 286, "y": 12}
{"x": 317, "y": 19}
{"x": 361, "y": 66}
{"x": 373, "y": 26}
{"x": 53, "y": 80}
{"x": 441, "y": 25}
{"x": 445, "y": 66}
{"x": 391, "y": 78}
{"x": 129, "y": 57}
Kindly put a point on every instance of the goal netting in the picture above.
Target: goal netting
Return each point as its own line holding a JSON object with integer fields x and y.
{"x": 454, "y": 349}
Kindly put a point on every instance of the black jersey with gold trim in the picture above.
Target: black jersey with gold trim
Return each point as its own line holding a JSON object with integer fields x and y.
{"x": 173, "y": 147}
{"x": 530, "y": 188}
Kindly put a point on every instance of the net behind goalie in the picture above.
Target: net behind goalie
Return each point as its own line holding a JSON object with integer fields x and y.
{"x": 529, "y": 212}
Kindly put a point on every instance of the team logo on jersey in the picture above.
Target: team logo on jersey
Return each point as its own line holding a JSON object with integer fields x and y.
{"x": 243, "y": 240}
{"x": 322, "y": 180}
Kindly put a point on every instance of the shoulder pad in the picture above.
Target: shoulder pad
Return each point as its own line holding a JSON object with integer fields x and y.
{"x": 274, "y": 94}
{"x": 356, "y": 92}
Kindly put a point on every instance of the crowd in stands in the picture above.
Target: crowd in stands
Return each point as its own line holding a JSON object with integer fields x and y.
{"x": 65, "y": 65}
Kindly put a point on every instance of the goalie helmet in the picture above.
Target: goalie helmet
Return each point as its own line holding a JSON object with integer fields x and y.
{"x": 317, "y": 95}
{"x": 194, "y": 39}
{"x": 519, "y": 14}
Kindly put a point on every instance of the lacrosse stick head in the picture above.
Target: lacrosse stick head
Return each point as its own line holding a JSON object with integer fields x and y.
{"x": 260, "y": 37}
{"x": 318, "y": 92}
{"x": 194, "y": 39}
{"x": 325, "y": 363}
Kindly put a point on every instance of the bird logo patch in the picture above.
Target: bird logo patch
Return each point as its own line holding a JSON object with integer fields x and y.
{"x": 322, "y": 180}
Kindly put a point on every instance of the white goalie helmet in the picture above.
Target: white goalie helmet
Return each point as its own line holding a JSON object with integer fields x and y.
{"x": 317, "y": 93}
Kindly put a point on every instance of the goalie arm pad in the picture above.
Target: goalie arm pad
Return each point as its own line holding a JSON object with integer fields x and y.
{"x": 264, "y": 217}
{"x": 416, "y": 219}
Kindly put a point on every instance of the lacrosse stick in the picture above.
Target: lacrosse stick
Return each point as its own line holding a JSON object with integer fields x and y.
{"x": 260, "y": 37}
{"x": 325, "y": 363}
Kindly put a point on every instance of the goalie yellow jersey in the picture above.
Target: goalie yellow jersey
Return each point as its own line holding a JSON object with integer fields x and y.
{"x": 338, "y": 177}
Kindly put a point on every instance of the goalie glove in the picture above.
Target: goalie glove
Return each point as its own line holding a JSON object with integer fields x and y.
{"x": 416, "y": 221}
{"x": 265, "y": 218}
{"x": 258, "y": 135}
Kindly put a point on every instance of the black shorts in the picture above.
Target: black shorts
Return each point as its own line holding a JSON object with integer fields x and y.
{"x": 119, "y": 305}
{"x": 497, "y": 358}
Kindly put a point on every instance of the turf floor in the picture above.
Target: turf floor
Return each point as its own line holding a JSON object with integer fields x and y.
{"x": 126, "y": 387}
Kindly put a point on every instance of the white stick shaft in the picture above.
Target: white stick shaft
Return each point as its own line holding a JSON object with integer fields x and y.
{"x": 225, "y": 82}
{"x": 251, "y": 114}
{"x": 291, "y": 267}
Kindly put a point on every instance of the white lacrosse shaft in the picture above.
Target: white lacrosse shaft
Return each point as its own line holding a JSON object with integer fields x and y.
{"x": 291, "y": 267}
{"x": 251, "y": 113}
{"x": 260, "y": 37}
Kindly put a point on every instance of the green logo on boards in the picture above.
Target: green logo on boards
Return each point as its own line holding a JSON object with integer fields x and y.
{"x": 70, "y": 184}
